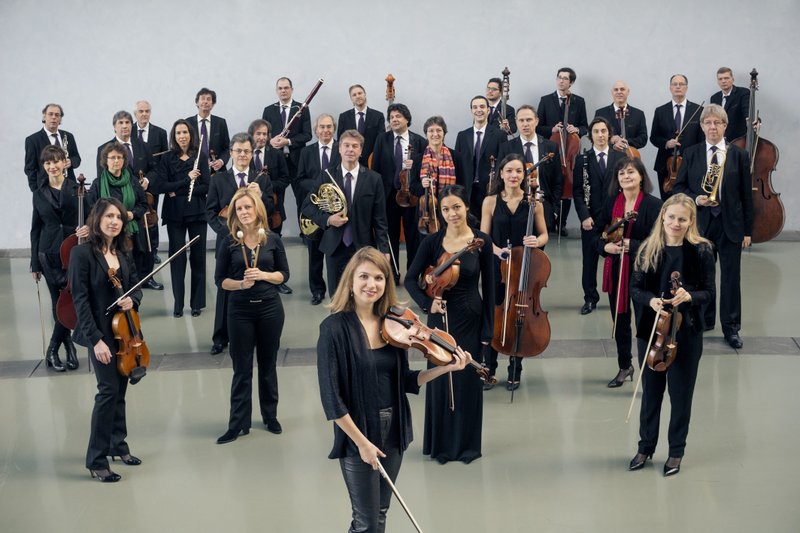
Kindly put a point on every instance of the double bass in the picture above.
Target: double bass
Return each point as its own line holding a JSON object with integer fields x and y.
{"x": 521, "y": 327}
{"x": 768, "y": 211}
{"x": 65, "y": 307}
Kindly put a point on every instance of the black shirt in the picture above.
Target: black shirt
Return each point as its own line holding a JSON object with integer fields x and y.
{"x": 271, "y": 258}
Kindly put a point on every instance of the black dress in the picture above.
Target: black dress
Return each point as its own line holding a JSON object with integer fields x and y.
{"x": 456, "y": 435}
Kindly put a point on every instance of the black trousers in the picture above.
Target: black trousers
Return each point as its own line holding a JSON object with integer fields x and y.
{"x": 679, "y": 379}
{"x": 335, "y": 263}
{"x": 60, "y": 332}
{"x": 395, "y": 215}
{"x": 476, "y": 198}
{"x": 316, "y": 259}
{"x": 589, "y": 270}
{"x": 514, "y": 365}
{"x": 109, "y": 428}
{"x": 730, "y": 272}
{"x": 564, "y": 212}
{"x": 622, "y": 333}
{"x": 219, "y": 335}
{"x": 370, "y": 495}
{"x": 254, "y": 325}
{"x": 143, "y": 259}
{"x": 197, "y": 260}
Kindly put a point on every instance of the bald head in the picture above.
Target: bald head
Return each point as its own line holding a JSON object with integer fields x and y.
{"x": 620, "y": 92}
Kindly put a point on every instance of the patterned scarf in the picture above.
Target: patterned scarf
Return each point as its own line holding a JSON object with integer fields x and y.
{"x": 443, "y": 166}
{"x": 608, "y": 277}
{"x": 123, "y": 183}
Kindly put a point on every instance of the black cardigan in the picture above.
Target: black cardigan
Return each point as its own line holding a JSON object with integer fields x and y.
{"x": 348, "y": 383}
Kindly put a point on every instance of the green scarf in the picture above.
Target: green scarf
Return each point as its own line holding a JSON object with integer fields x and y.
{"x": 123, "y": 183}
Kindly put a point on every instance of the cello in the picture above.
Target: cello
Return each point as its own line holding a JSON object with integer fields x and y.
{"x": 133, "y": 356}
{"x": 521, "y": 327}
{"x": 65, "y": 308}
{"x": 569, "y": 144}
{"x": 768, "y": 211}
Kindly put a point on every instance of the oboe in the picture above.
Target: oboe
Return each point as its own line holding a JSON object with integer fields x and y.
{"x": 587, "y": 189}
{"x": 196, "y": 165}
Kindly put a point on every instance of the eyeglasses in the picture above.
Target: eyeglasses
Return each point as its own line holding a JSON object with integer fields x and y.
{"x": 116, "y": 158}
{"x": 715, "y": 123}
{"x": 678, "y": 84}
{"x": 240, "y": 151}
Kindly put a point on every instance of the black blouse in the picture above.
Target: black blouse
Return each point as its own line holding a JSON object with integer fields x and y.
{"x": 173, "y": 177}
{"x": 271, "y": 258}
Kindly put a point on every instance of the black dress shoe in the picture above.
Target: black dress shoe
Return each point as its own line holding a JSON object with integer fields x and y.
{"x": 52, "y": 359}
{"x": 639, "y": 460}
{"x": 128, "y": 459}
{"x": 195, "y": 312}
{"x": 587, "y": 307}
{"x": 317, "y": 299}
{"x": 72, "y": 355}
{"x": 512, "y": 385}
{"x": 273, "y": 426}
{"x": 490, "y": 382}
{"x": 156, "y": 259}
{"x": 620, "y": 378}
{"x": 105, "y": 475}
{"x": 734, "y": 340}
{"x": 216, "y": 349}
{"x": 284, "y": 289}
{"x": 564, "y": 232}
{"x": 231, "y": 435}
{"x": 177, "y": 314}
{"x": 153, "y": 284}
{"x": 672, "y": 466}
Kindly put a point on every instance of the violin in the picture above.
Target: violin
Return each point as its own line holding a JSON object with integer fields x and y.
{"x": 665, "y": 345}
{"x": 437, "y": 279}
{"x": 630, "y": 151}
{"x": 275, "y": 219}
{"x": 133, "y": 356}
{"x": 428, "y": 210}
{"x": 402, "y": 328}
{"x": 675, "y": 160}
{"x": 404, "y": 198}
{"x": 65, "y": 307}
{"x": 614, "y": 232}
{"x": 569, "y": 144}
{"x": 150, "y": 217}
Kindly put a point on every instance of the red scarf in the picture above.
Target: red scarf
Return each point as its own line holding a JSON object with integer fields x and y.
{"x": 608, "y": 277}
{"x": 444, "y": 167}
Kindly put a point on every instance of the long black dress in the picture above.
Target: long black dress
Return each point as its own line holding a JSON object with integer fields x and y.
{"x": 456, "y": 435}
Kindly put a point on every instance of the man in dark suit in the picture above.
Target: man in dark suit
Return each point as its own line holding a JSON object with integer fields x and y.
{"x": 551, "y": 120}
{"x": 220, "y": 192}
{"x": 139, "y": 161}
{"x": 670, "y": 118}
{"x": 367, "y": 121}
{"x": 533, "y": 148}
{"x": 155, "y": 139}
{"x": 278, "y": 115}
{"x": 314, "y": 160}
{"x": 494, "y": 92}
{"x": 594, "y": 170}
{"x": 212, "y": 130}
{"x": 736, "y": 102}
{"x": 634, "y": 123}
{"x": 365, "y": 222}
{"x": 727, "y": 220}
{"x": 50, "y": 134}
{"x": 395, "y": 151}
{"x": 476, "y": 167}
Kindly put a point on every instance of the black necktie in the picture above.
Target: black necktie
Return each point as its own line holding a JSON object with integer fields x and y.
{"x": 715, "y": 209}
{"x": 561, "y": 100}
{"x": 257, "y": 158}
{"x": 283, "y": 115}
{"x": 602, "y": 162}
{"x": 678, "y": 118}
{"x": 241, "y": 176}
{"x": 360, "y": 125}
{"x": 477, "y": 157}
{"x": 325, "y": 163}
{"x": 491, "y": 113}
{"x": 204, "y": 137}
{"x": 528, "y": 153}
{"x": 398, "y": 162}
{"x": 58, "y": 141}
{"x": 130, "y": 155}
{"x": 714, "y": 160}
{"x": 141, "y": 135}
{"x": 347, "y": 237}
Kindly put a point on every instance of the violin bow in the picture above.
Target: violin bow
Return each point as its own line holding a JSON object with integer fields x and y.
{"x": 397, "y": 494}
{"x": 642, "y": 367}
{"x": 619, "y": 286}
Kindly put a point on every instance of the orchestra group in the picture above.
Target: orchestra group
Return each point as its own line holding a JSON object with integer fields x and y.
{"x": 475, "y": 219}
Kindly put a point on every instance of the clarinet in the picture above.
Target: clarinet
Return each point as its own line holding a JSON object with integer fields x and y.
{"x": 65, "y": 147}
{"x": 587, "y": 189}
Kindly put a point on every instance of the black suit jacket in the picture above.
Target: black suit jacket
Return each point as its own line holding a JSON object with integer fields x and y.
{"x": 34, "y": 144}
{"x": 511, "y": 116}
{"x": 142, "y": 160}
{"x": 550, "y": 114}
{"x": 635, "y": 124}
{"x": 735, "y": 194}
{"x": 383, "y": 158}
{"x": 309, "y": 169}
{"x": 737, "y": 106}
{"x": 220, "y": 192}
{"x": 664, "y": 129}
{"x": 277, "y": 175}
{"x": 374, "y": 125}
{"x": 490, "y": 146}
{"x": 218, "y": 138}
{"x": 173, "y": 177}
{"x": 598, "y": 182}
{"x": 157, "y": 139}
{"x": 367, "y": 213}
{"x": 299, "y": 134}
{"x": 551, "y": 180}
{"x": 53, "y": 222}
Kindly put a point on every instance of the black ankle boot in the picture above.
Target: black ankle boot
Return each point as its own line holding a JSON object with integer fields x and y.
{"x": 72, "y": 355}
{"x": 52, "y": 358}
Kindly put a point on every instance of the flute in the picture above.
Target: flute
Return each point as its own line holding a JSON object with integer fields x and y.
{"x": 196, "y": 165}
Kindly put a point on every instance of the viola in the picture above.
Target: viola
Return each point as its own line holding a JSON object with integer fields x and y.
{"x": 437, "y": 279}
{"x": 428, "y": 209}
{"x": 133, "y": 355}
{"x": 275, "y": 219}
{"x": 630, "y": 151}
{"x": 569, "y": 144}
{"x": 675, "y": 160}
{"x": 665, "y": 344}
{"x": 614, "y": 232}
{"x": 402, "y": 328}
{"x": 65, "y": 307}
{"x": 404, "y": 198}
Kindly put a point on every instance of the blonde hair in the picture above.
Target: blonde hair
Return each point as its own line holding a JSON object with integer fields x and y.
{"x": 651, "y": 251}
{"x": 235, "y": 225}
{"x": 343, "y": 297}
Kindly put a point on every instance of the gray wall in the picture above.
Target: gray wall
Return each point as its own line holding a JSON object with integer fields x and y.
{"x": 102, "y": 56}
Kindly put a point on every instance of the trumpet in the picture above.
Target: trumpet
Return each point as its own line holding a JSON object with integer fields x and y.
{"x": 330, "y": 199}
{"x": 712, "y": 180}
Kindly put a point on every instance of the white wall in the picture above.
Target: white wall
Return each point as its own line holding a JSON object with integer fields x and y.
{"x": 101, "y": 56}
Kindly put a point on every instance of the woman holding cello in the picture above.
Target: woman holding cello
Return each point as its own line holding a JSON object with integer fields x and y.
{"x": 106, "y": 249}
{"x": 55, "y": 217}
{"x": 453, "y": 432}
{"x": 674, "y": 246}
{"x": 504, "y": 217}
{"x": 363, "y": 383}
{"x": 628, "y": 199}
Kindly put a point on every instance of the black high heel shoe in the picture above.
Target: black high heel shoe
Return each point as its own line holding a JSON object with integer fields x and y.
{"x": 52, "y": 359}
{"x": 231, "y": 435}
{"x": 72, "y": 354}
{"x": 105, "y": 475}
{"x": 638, "y": 461}
{"x": 622, "y": 375}
{"x": 128, "y": 459}
{"x": 672, "y": 466}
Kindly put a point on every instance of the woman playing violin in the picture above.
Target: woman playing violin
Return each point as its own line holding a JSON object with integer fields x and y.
{"x": 55, "y": 214}
{"x": 674, "y": 245}
{"x": 363, "y": 383}
{"x": 628, "y": 193}
{"x": 455, "y": 434}
{"x": 92, "y": 292}
{"x": 504, "y": 217}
